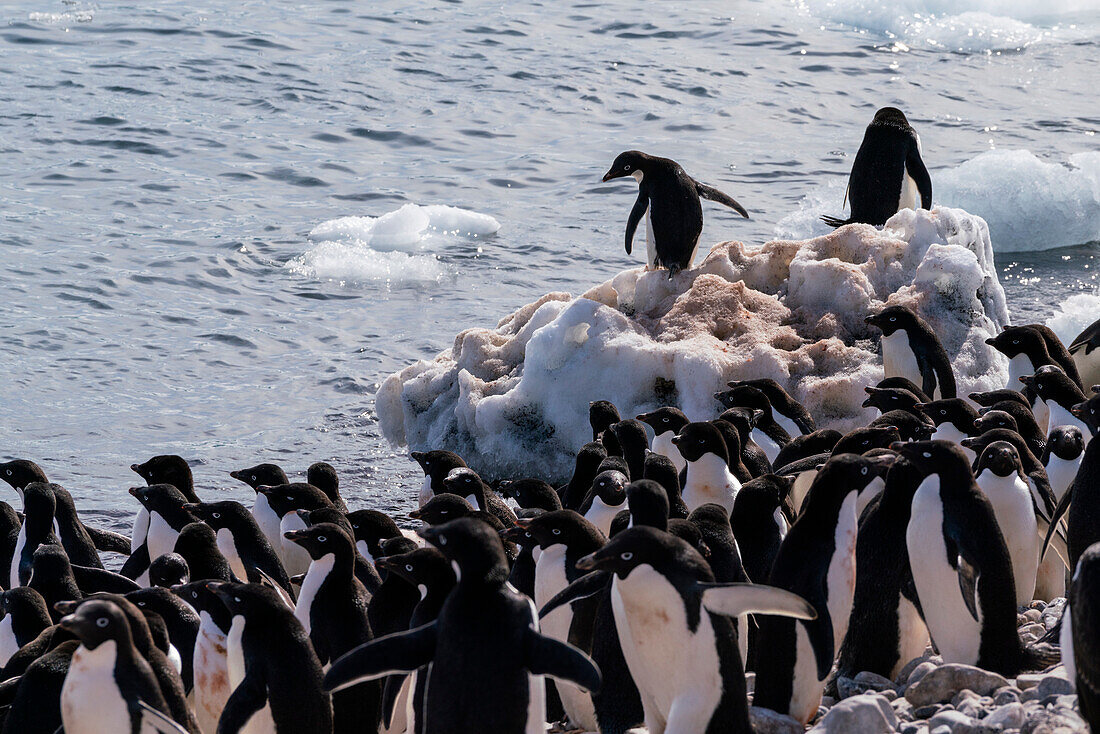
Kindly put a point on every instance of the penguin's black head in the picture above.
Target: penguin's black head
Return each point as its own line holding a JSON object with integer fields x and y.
{"x": 21, "y": 472}
{"x": 443, "y": 508}
{"x": 95, "y": 622}
{"x": 663, "y": 420}
{"x": 744, "y": 396}
{"x": 743, "y": 419}
{"x": 601, "y": 414}
{"x": 437, "y": 463}
{"x": 326, "y": 514}
{"x": 39, "y": 500}
{"x": 248, "y": 600}
{"x": 713, "y": 517}
{"x": 639, "y": 546}
{"x": 199, "y": 596}
{"x": 50, "y": 561}
{"x": 464, "y": 482}
{"x": 1066, "y": 442}
{"x": 1001, "y": 458}
{"x": 421, "y": 567}
{"x": 862, "y": 440}
{"x": 892, "y": 318}
{"x": 934, "y": 457}
{"x": 844, "y": 473}
{"x": 169, "y": 570}
{"x": 321, "y": 540}
{"x": 261, "y": 475}
{"x": 890, "y": 398}
{"x": 991, "y": 419}
{"x": 628, "y": 163}
{"x": 912, "y": 426}
{"x": 530, "y": 493}
{"x": 518, "y": 534}
{"x": 696, "y": 439}
{"x": 658, "y": 467}
{"x": 766, "y": 385}
{"x": 630, "y": 430}
{"x": 286, "y": 498}
{"x": 589, "y": 458}
{"x": 397, "y": 546}
{"x": 950, "y": 410}
{"x": 197, "y": 539}
{"x": 23, "y": 600}
{"x": 217, "y": 515}
{"x": 324, "y": 477}
{"x": 610, "y": 486}
{"x": 166, "y": 469}
{"x": 563, "y": 527}
{"x": 648, "y": 503}
{"x": 891, "y": 116}
{"x": 372, "y": 526}
{"x": 473, "y": 547}
{"x": 1089, "y": 412}
{"x": 164, "y": 499}
{"x": 990, "y": 398}
{"x": 758, "y": 498}
{"x": 1017, "y": 340}
{"x": 1050, "y": 382}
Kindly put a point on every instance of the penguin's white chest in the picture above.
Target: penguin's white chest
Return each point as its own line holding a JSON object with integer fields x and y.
{"x": 261, "y": 721}
{"x": 364, "y": 550}
{"x": 91, "y": 702}
{"x": 601, "y": 514}
{"x": 787, "y": 424}
{"x": 650, "y": 239}
{"x": 910, "y": 194}
{"x": 228, "y": 547}
{"x": 1061, "y": 473}
{"x": 709, "y": 480}
{"x": 841, "y": 577}
{"x": 1019, "y": 366}
{"x": 767, "y": 443}
{"x": 161, "y": 538}
{"x": 662, "y": 444}
{"x": 425, "y": 494}
{"x": 211, "y": 674}
{"x": 950, "y": 432}
{"x": 268, "y": 520}
{"x": 953, "y": 629}
{"x": 666, "y": 658}
{"x": 867, "y": 494}
{"x": 8, "y": 644}
{"x": 898, "y": 359}
{"x": 1012, "y": 506}
{"x": 315, "y": 577}
{"x": 141, "y": 529}
{"x": 20, "y": 544}
{"x": 295, "y": 558}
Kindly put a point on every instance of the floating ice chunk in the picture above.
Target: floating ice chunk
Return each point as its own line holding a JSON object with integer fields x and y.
{"x": 514, "y": 399}
{"x": 1075, "y": 314}
{"x": 357, "y": 263}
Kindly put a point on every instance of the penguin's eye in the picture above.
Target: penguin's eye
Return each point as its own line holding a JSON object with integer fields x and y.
{"x": 9, "y": 472}
{"x": 469, "y": 479}
{"x": 863, "y": 471}
{"x": 321, "y": 539}
{"x": 102, "y": 622}
{"x": 1015, "y": 341}
{"x": 354, "y": 527}
{"x": 663, "y": 420}
{"x": 443, "y": 512}
{"x": 141, "y": 603}
{"x": 237, "y": 599}
{"x": 867, "y": 442}
{"x": 194, "y": 595}
{"x": 556, "y": 531}
{"x": 927, "y": 454}
{"x": 893, "y": 318}
{"x": 216, "y": 515}
{"x": 626, "y": 167}
{"x": 702, "y": 440}
{"x": 943, "y": 412}
{"x": 289, "y": 498}
{"x": 626, "y": 556}
{"x": 253, "y": 477}
{"x": 443, "y": 540}
{"x": 408, "y": 567}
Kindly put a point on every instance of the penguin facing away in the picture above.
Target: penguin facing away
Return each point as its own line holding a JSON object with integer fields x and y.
{"x": 888, "y": 173}
{"x": 1085, "y": 356}
{"x": 670, "y": 200}
{"x": 1081, "y": 634}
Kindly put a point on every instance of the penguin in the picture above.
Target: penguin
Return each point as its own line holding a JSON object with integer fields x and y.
{"x": 10, "y": 525}
{"x": 565, "y": 537}
{"x": 164, "y": 504}
{"x": 109, "y": 686}
{"x": 169, "y": 570}
{"x": 1081, "y": 507}
{"x": 364, "y": 569}
{"x": 767, "y": 432}
{"x": 485, "y": 653}
{"x": 18, "y": 473}
{"x": 586, "y": 467}
{"x": 522, "y": 575}
{"x": 760, "y": 523}
{"x": 885, "y": 399}
{"x": 436, "y": 465}
{"x": 990, "y": 419}
{"x": 1025, "y": 422}
{"x": 902, "y": 383}
{"x": 182, "y": 623}
{"x": 52, "y": 577}
{"x": 1000, "y": 477}
{"x": 446, "y": 507}
{"x": 210, "y": 668}
{"x": 808, "y": 444}
{"x": 708, "y": 475}
{"x": 1030, "y": 347}
{"x": 960, "y": 563}
{"x": 674, "y": 625}
{"x": 885, "y": 605}
{"x": 1065, "y": 447}
{"x": 1059, "y": 394}
{"x": 25, "y": 617}
{"x": 241, "y": 541}
{"x": 659, "y": 468}
{"x": 911, "y": 426}
{"x": 670, "y": 200}
{"x": 911, "y": 349}
{"x": 736, "y": 459}
{"x": 392, "y": 605}
{"x": 816, "y": 561}
{"x": 532, "y": 494}
{"x": 601, "y": 415}
{"x": 283, "y": 500}
{"x": 332, "y": 608}
{"x": 275, "y": 674}
{"x": 1081, "y": 350}
{"x": 666, "y": 423}
{"x": 35, "y": 703}
{"x": 724, "y": 556}
{"x": 197, "y": 545}
{"x": 37, "y": 529}
{"x": 787, "y": 411}
{"x": 605, "y": 500}
{"x": 264, "y": 475}
{"x": 323, "y": 476}
{"x": 465, "y": 482}
{"x": 371, "y": 527}
{"x": 164, "y": 469}
{"x": 1088, "y": 412}
{"x": 91, "y": 580}
{"x": 633, "y": 442}
{"x": 989, "y": 398}
{"x": 754, "y": 458}
{"x": 888, "y": 173}
{"x": 1079, "y": 633}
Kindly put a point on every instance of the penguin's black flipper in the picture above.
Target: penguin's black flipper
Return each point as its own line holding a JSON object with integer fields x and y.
{"x": 968, "y": 586}
{"x": 91, "y": 580}
{"x": 547, "y": 656}
{"x": 136, "y": 563}
{"x": 402, "y": 652}
{"x": 390, "y": 692}
{"x": 146, "y": 718}
{"x": 713, "y": 194}
{"x": 109, "y": 541}
{"x": 585, "y": 586}
{"x": 914, "y": 166}
{"x": 1059, "y": 512}
{"x": 834, "y": 222}
{"x": 246, "y": 699}
{"x": 636, "y": 213}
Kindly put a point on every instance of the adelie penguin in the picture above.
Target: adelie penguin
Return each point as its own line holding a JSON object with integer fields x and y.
{"x": 241, "y": 541}
{"x": 669, "y": 198}
{"x": 666, "y": 423}
{"x": 1001, "y": 478}
{"x": 209, "y": 663}
{"x": 787, "y": 411}
{"x": 708, "y": 475}
{"x": 1080, "y": 635}
{"x": 264, "y": 475}
{"x": 436, "y": 465}
{"x": 911, "y": 349}
{"x": 888, "y": 174}
{"x": 1085, "y": 356}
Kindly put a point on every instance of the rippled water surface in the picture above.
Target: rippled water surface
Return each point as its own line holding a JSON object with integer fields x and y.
{"x": 163, "y": 163}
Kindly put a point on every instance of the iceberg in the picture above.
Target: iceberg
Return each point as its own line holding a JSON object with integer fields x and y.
{"x": 513, "y": 400}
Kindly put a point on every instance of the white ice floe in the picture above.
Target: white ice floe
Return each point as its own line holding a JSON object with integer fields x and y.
{"x": 1030, "y": 204}
{"x": 1075, "y": 314}
{"x": 401, "y": 245}
{"x": 514, "y": 399}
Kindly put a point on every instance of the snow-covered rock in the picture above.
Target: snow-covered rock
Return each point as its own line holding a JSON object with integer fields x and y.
{"x": 514, "y": 399}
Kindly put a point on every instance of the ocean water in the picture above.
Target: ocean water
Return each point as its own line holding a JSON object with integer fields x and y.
{"x": 178, "y": 275}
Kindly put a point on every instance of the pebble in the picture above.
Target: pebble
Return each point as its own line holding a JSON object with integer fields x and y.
{"x": 1051, "y": 685}
{"x": 1010, "y": 716}
{"x": 866, "y": 712}
{"x": 1006, "y": 695}
{"x": 959, "y": 723}
{"x": 766, "y": 721}
{"x": 942, "y": 683}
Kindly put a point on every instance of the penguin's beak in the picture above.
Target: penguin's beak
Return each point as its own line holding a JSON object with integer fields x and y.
{"x": 1078, "y": 410}
{"x": 608, "y": 176}
{"x": 66, "y": 607}
{"x": 515, "y": 534}
{"x": 991, "y": 341}
{"x": 676, "y": 440}
{"x": 385, "y": 564}
{"x": 135, "y": 468}
{"x": 303, "y": 515}
{"x": 588, "y": 563}
{"x": 1027, "y": 379}
{"x": 869, "y": 320}
{"x": 294, "y": 535}
{"x": 236, "y": 474}
{"x": 415, "y": 514}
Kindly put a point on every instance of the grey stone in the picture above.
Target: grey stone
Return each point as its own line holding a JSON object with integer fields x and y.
{"x": 1050, "y": 685}
{"x": 906, "y": 670}
{"x": 766, "y": 721}
{"x": 942, "y": 683}
{"x": 867, "y": 712}
{"x": 920, "y": 728}
{"x": 1010, "y": 716}
{"x": 959, "y": 723}
{"x": 927, "y": 712}
{"x": 846, "y": 687}
{"x": 903, "y": 709}
{"x": 919, "y": 671}
{"x": 1042, "y": 721}
{"x": 874, "y": 682}
{"x": 1032, "y": 615}
{"x": 1006, "y": 695}
{"x": 889, "y": 694}
{"x": 945, "y": 729}
{"x": 972, "y": 707}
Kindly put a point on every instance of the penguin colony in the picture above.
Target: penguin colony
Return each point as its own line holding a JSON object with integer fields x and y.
{"x": 686, "y": 568}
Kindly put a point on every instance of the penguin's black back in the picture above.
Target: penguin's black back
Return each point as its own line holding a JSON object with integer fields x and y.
{"x": 874, "y": 187}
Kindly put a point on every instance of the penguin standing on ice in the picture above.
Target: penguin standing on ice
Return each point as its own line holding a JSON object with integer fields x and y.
{"x": 436, "y": 465}
{"x": 670, "y": 199}
{"x": 666, "y": 423}
{"x": 888, "y": 174}
{"x": 911, "y": 349}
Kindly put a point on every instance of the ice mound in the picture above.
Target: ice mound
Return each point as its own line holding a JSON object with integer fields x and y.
{"x": 1029, "y": 204}
{"x": 1075, "y": 314}
{"x": 395, "y": 246}
{"x": 514, "y": 399}
{"x": 967, "y": 26}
